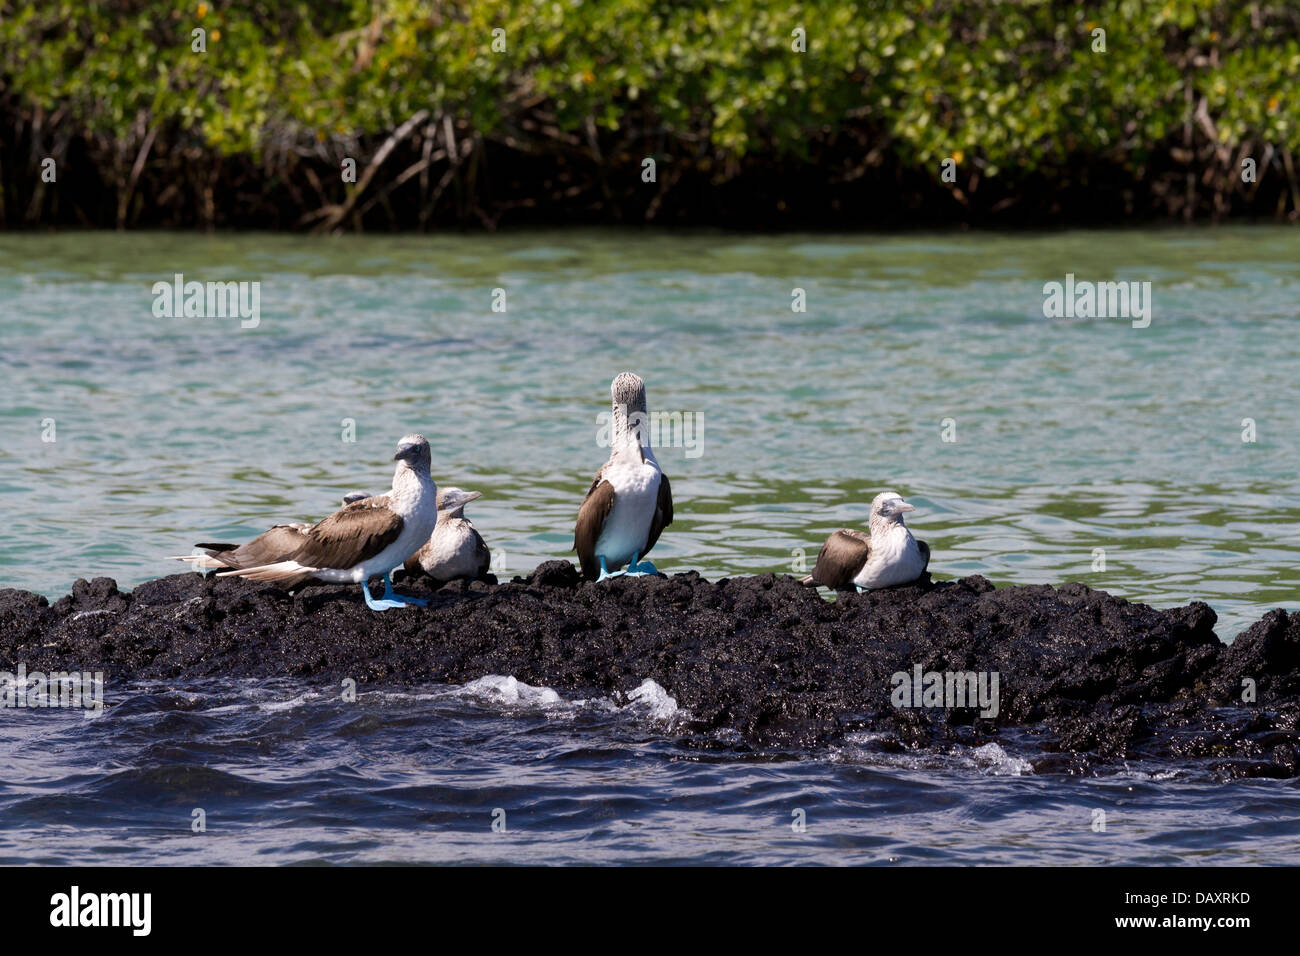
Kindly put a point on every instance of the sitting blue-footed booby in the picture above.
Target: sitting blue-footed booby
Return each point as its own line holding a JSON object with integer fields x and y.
{"x": 455, "y": 549}
{"x": 272, "y": 545}
{"x": 882, "y": 559}
{"x": 367, "y": 537}
{"x": 630, "y": 502}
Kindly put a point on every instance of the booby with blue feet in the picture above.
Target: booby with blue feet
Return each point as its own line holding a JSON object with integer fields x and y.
{"x": 630, "y": 502}
{"x": 887, "y": 557}
{"x": 369, "y": 537}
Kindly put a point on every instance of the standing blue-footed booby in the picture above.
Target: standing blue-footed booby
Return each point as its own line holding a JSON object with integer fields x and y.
{"x": 630, "y": 502}
{"x": 270, "y": 546}
{"x": 368, "y": 537}
{"x": 455, "y": 549}
{"x": 882, "y": 559}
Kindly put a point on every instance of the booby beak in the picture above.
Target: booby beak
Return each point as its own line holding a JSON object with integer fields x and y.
{"x": 454, "y": 498}
{"x": 903, "y": 506}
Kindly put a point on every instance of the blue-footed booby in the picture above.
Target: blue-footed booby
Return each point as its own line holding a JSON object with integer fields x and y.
{"x": 272, "y": 545}
{"x": 630, "y": 502}
{"x": 368, "y": 537}
{"x": 455, "y": 549}
{"x": 882, "y": 559}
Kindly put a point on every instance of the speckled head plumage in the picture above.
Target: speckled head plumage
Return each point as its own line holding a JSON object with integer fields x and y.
{"x": 628, "y": 391}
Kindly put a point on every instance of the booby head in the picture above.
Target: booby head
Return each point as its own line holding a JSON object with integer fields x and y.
{"x": 413, "y": 451}
{"x": 452, "y": 501}
{"x": 889, "y": 506}
{"x": 628, "y": 390}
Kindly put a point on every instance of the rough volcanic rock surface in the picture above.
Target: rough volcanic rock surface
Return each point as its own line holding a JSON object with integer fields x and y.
{"x": 1086, "y": 680}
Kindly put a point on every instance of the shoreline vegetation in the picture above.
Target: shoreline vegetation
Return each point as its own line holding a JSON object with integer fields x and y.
{"x": 728, "y": 113}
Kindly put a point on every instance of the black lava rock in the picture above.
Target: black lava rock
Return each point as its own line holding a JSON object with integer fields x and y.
{"x": 1085, "y": 679}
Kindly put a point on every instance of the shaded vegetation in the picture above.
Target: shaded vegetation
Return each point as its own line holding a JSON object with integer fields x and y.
{"x": 1040, "y": 125}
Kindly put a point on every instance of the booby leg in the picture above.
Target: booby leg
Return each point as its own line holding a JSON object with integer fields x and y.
{"x": 640, "y": 568}
{"x": 606, "y": 572}
{"x": 390, "y": 599}
{"x": 391, "y": 595}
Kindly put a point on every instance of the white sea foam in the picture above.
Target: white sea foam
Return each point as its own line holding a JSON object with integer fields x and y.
{"x": 999, "y": 763}
{"x": 279, "y": 705}
{"x": 990, "y": 759}
{"x": 510, "y": 691}
{"x": 651, "y": 701}
{"x": 1129, "y": 773}
{"x": 648, "y": 701}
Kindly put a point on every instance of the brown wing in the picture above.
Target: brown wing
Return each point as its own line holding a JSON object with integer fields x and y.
{"x": 591, "y": 519}
{"x": 925, "y": 554}
{"x": 414, "y": 565}
{"x": 663, "y": 513}
{"x": 267, "y": 548}
{"x": 841, "y": 558}
{"x": 350, "y": 535}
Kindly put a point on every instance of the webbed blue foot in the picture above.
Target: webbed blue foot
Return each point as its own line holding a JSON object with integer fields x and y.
{"x": 390, "y": 599}
{"x": 607, "y": 573}
{"x": 639, "y": 569}
{"x": 861, "y": 589}
{"x": 381, "y": 604}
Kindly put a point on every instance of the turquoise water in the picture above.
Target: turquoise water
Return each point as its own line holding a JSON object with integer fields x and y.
{"x": 1071, "y": 434}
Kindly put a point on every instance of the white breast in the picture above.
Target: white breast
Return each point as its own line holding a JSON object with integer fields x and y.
{"x": 636, "y": 496}
{"x": 895, "y": 559}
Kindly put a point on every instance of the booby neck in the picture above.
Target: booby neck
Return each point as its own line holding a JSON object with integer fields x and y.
{"x": 411, "y": 483}
{"x": 882, "y": 526}
{"x": 630, "y": 424}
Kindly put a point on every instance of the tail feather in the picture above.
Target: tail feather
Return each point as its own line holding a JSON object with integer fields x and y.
{"x": 205, "y": 561}
{"x": 287, "y": 573}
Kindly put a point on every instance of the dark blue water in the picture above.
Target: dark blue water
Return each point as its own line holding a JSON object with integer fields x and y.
{"x": 286, "y": 772}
